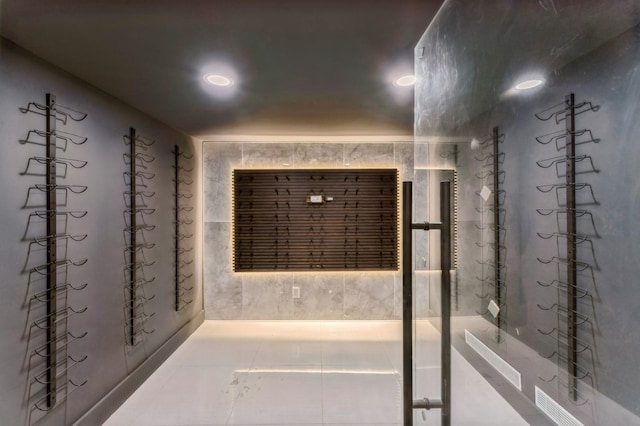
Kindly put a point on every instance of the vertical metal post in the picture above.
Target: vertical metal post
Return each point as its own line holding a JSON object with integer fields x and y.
{"x": 454, "y": 236}
{"x": 570, "y": 151}
{"x": 407, "y": 303}
{"x": 176, "y": 153}
{"x": 496, "y": 230}
{"x": 52, "y": 277}
{"x": 132, "y": 254}
{"x": 445, "y": 265}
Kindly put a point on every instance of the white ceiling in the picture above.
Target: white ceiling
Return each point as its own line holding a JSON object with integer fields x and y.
{"x": 322, "y": 65}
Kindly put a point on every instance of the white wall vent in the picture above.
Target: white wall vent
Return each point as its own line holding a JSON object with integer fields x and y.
{"x": 559, "y": 415}
{"x": 509, "y": 373}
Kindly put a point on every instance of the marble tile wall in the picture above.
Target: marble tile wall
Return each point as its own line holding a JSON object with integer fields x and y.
{"x": 268, "y": 296}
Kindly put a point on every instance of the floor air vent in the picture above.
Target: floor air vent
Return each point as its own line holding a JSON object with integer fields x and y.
{"x": 509, "y": 373}
{"x": 559, "y": 415}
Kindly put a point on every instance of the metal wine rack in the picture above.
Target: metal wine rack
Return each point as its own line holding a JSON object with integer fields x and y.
{"x": 56, "y": 325}
{"x": 571, "y": 198}
{"x": 493, "y": 279}
{"x": 136, "y": 215}
{"x": 182, "y": 182}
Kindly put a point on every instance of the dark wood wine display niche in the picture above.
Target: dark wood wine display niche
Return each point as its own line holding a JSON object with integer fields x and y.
{"x": 301, "y": 220}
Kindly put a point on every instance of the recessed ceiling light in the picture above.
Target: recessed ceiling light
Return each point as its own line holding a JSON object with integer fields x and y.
{"x": 528, "y": 84}
{"x": 405, "y": 80}
{"x": 218, "y": 80}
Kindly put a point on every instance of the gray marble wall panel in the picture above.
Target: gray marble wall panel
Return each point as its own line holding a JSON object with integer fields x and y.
{"x": 312, "y": 155}
{"x": 326, "y": 296}
{"x": 369, "y": 295}
{"x": 434, "y": 155}
{"x": 321, "y": 296}
{"x": 421, "y": 295}
{"x": 222, "y": 288}
{"x": 267, "y": 296}
{"x": 421, "y": 156}
{"x": 435, "y": 291}
{"x": 219, "y": 160}
{"x": 397, "y": 295}
{"x": 403, "y": 160}
{"x": 369, "y": 154}
{"x": 421, "y": 214}
{"x": 266, "y": 155}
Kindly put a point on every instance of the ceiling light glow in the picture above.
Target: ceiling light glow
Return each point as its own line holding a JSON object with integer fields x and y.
{"x": 218, "y": 80}
{"x": 405, "y": 80}
{"x": 528, "y": 84}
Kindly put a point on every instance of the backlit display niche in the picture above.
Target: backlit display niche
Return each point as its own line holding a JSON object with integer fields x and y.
{"x": 303, "y": 220}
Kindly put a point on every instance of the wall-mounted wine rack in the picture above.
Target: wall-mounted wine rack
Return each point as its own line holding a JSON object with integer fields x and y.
{"x": 182, "y": 181}
{"x": 571, "y": 197}
{"x": 55, "y": 324}
{"x": 136, "y": 214}
{"x": 493, "y": 279}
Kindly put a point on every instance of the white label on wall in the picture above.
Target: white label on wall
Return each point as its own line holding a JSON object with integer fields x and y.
{"x": 494, "y": 308}
{"x": 485, "y": 193}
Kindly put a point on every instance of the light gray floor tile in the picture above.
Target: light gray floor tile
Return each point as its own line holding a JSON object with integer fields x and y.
{"x": 305, "y": 373}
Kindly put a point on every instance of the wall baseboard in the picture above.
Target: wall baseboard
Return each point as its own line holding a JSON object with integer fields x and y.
{"x": 104, "y": 408}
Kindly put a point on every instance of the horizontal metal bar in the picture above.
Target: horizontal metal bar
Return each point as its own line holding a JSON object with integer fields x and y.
{"x": 426, "y": 226}
{"x": 312, "y": 239}
{"x": 330, "y": 257}
{"x": 307, "y": 268}
{"x": 427, "y": 404}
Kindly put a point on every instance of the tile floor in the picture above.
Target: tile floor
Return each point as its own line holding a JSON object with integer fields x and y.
{"x": 307, "y": 373}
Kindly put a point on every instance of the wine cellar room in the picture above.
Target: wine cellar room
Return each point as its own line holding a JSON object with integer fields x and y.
{"x": 319, "y": 213}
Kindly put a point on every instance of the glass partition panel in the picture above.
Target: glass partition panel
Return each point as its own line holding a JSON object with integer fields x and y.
{"x": 534, "y": 105}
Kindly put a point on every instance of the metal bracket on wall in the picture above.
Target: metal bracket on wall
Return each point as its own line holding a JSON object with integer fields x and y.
{"x": 444, "y": 403}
